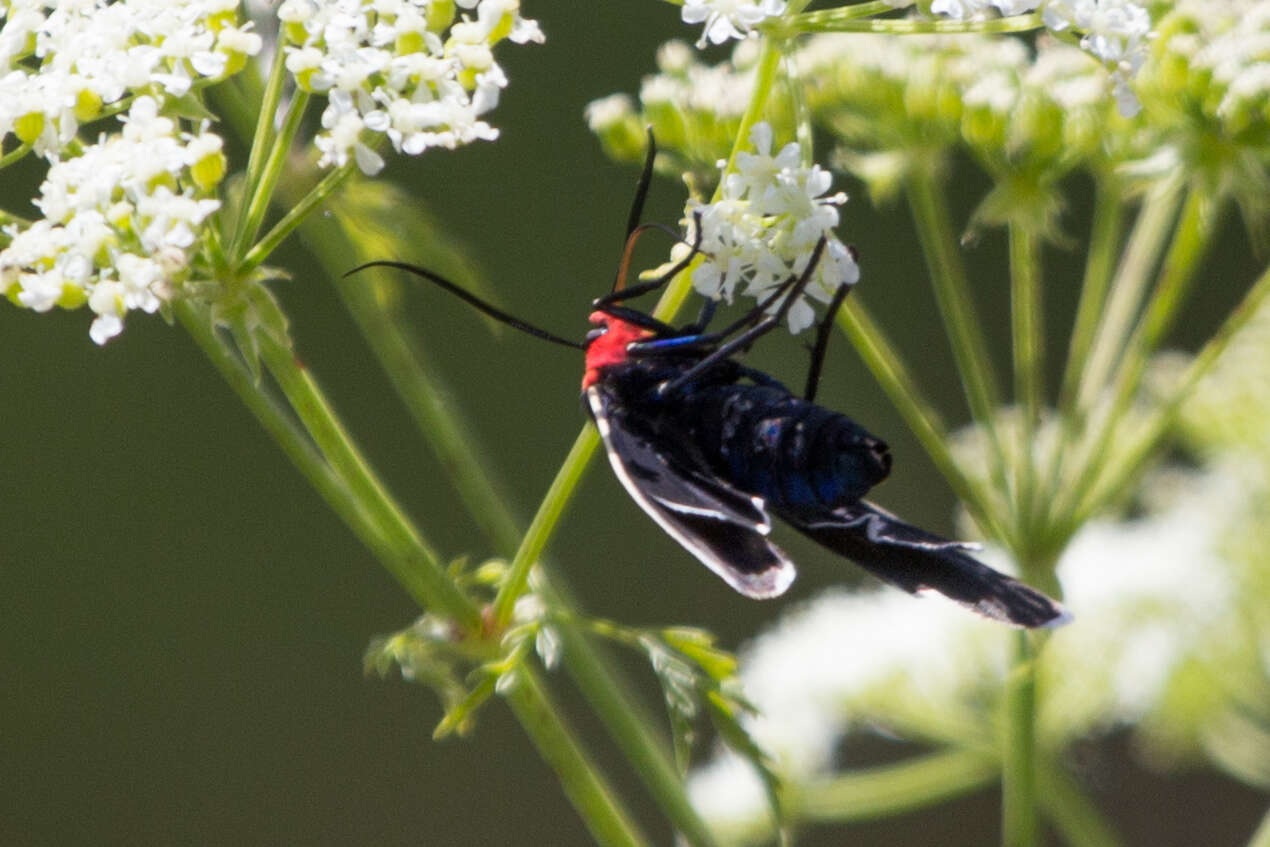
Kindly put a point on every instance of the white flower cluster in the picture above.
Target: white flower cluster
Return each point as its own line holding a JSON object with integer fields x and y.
{"x": 1228, "y": 44}
{"x": 120, "y": 222}
{"x": 764, "y": 228}
{"x": 726, "y": 19}
{"x": 63, "y": 61}
{"x": 402, "y": 68}
{"x": 1115, "y": 32}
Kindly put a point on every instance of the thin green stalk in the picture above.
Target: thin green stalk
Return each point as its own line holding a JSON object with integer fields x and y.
{"x": 1020, "y": 824}
{"x": 1193, "y": 233}
{"x": 627, "y": 722}
{"x": 957, "y": 309}
{"x": 280, "y": 426}
{"x": 1104, "y": 244}
{"x": 256, "y": 204}
{"x": 1129, "y": 462}
{"x": 813, "y": 21}
{"x": 590, "y": 795}
{"x": 544, "y": 524}
{"x": 1100, "y": 263}
{"x": 764, "y": 77}
{"x": 293, "y": 218}
{"x": 1127, "y": 290}
{"x": 1261, "y": 838}
{"x": 1027, "y": 330}
{"x": 883, "y": 360}
{"x": 431, "y": 407}
{"x": 261, "y": 140}
{"x": 920, "y": 783}
{"x": 1073, "y": 813}
{"x": 826, "y": 21}
{"x": 802, "y": 112}
{"x": 15, "y": 154}
{"x": 416, "y": 565}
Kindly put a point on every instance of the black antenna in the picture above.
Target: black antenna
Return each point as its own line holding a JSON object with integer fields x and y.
{"x": 472, "y": 299}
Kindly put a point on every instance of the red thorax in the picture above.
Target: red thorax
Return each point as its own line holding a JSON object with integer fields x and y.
{"x": 609, "y": 348}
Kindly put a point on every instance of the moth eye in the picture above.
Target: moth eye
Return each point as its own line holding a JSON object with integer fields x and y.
{"x": 596, "y": 333}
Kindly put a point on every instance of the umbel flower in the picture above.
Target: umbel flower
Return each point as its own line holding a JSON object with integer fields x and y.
{"x": 764, "y": 227}
{"x": 120, "y": 223}
{"x": 64, "y": 62}
{"x": 406, "y": 69}
{"x": 126, "y": 216}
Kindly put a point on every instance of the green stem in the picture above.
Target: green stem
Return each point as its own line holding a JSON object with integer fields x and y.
{"x": 544, "y": 524}
{"x": 1100, "y": 262}
{"x": 813, "y": 21}
{"x": 956, "y": 308}
{"x": 416, "y": 565}
{"x": 1099, "y": 265}
{"x": 1128, "y": 463}
{"x": 15, "y": 154}
{"x": 1127, "y": 291}
{"x": 1193, "y": 233}
{"x": 1261, "y": 838}
{"x": 1020, "y": 826}
{"x": 883, "y": 360}
{"x": 261, "y": 139}
{"x": 293, "y": 218}
{"x": 627, "y": 722}
{"x": 764, "y": 77}
{"x": 873, "y": 793}
{"x": 608, "y": 823}
{"x": 1027, "y": 331}
{"x": 427, "y": 401}
{"x": 280, "y": 426}
{"x": 827, "y": 21}
{"x": 257, "y": 203}
{"x": 1073, "y": 813}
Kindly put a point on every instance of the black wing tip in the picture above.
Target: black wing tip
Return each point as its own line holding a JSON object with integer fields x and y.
{"x": 1014, "y": 603}
{"x": 765, "y": 585}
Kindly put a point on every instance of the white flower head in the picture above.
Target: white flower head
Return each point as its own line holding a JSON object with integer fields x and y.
{"x": 725, "y": 19}
{"x": 390, "y": 69}
{"x": 772, "y": 213}
{"x": 65, "y": 61}
{"x": 121, "y": 222}
{"x": 1116, "y": 32}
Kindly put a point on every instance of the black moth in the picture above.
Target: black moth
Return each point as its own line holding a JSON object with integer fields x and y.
{"x": 709, "y": 448}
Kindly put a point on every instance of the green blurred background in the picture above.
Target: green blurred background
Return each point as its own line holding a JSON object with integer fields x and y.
{"x": 182, "y": 619}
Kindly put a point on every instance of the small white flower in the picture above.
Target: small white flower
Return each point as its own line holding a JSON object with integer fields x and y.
{"x": 385, "y": 73}
{"x": 1115, "y": 32}
{"x": 726, "y": 19}
{"x": 120, "y": 222}
{"x": 765, "y": 227}
{"x": 92, "y": 53}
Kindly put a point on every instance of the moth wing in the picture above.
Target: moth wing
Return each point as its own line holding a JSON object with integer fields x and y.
{"x": 914, "y": 559}
{"x": 726, "y": 529}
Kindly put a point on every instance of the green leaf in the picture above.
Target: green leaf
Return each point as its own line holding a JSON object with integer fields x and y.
{"x": 698, "y": 645}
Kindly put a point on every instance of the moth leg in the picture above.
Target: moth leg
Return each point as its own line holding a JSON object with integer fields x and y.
{"x": 823, "y": 331}
{"x": 764, "y": 326}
